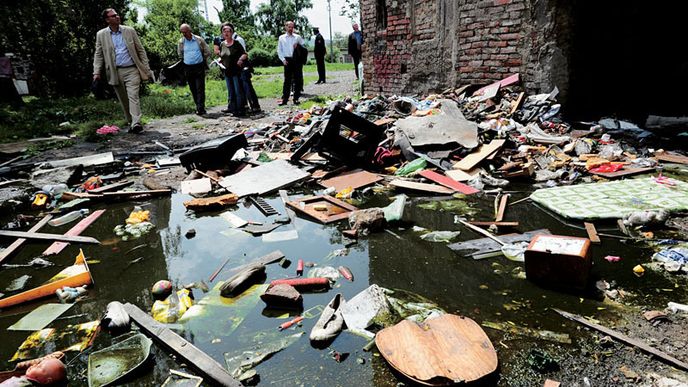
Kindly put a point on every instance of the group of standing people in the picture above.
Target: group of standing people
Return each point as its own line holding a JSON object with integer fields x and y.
{"x": 121, "y": 58}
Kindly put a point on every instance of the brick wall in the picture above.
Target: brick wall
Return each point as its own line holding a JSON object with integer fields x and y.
{"x": 427, "y": 46}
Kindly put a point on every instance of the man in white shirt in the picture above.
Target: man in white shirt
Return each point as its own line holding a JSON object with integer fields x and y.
{"x": 286, "y": 46}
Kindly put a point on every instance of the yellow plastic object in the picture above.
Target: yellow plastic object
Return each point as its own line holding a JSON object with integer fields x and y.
{"x": 39, "y": 200}
{"x": 638, "y": 270}
{"x": 170, "y": 310}
{"x": 137, "y": 217}
{"x": 345, "y": 193}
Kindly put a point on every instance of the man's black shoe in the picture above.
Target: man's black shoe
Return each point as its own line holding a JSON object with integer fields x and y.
{"x": 283, "y": 103}
{"x": 201, "y": 113}
{"x": 136, "y": 129}
{"x": 228, "y": 110}
{"x": 296, "y": 102}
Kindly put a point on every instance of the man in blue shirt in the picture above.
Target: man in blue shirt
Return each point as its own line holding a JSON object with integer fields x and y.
{"x": 194, "y": 53}
{"x": 355, "y": 46}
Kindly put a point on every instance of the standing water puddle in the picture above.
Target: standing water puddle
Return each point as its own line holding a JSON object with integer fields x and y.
{"x": 484, "y": 290}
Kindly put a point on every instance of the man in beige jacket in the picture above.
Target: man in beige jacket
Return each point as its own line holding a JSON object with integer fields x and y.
{"x": 120, "y": 55}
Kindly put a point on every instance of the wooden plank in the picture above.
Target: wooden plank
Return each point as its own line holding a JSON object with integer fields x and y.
{"x": 19, "y": 242}
{"x": 498, "y": 224}
{"x": 197, "y": 186}
{"x": 335, "y": 209}
{"x": 354, "y": 179}
{"x": 592, "y": 232}
{"x": 423, "y": 187}
{"x": 448, "y": 182}
{"x": 518, "y": 103}
{"x": 111, "y": 187}
{"x": 671, "y": 158}
{"x": 57, "y": 247}
{"x": 502, "y": 208}
{"x": 460, "y": 175}
{"x": 626, "y": 340}
{"x": 211, "y": 370}
{"x": 622, "y": 226}
{"x": 50, "y": 237}
{"x": 472, "y": 160}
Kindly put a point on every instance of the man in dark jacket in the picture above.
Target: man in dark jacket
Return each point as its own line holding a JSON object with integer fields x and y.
{"x": 319, "y": 52}
{"x": 355, "y": 46}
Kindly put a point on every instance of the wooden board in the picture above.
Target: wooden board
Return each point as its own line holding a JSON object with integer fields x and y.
{"x": 444, "y": 350}
{"x": 336, "y": 209}
{"x": 624, "y": 172}
{"x": 671, "y": 158}
{"x": 211, "y": 370}
{"x": 460, "y": 175}
{"x": 49, "y": 237}
{"x": 469, "y": 162}
{"x": 448, "y": 182}
{"x": 354, "y": 179}
{"x": 57, "y": 247}
{"x": 592, "y": 232}
{"x": 19, "y": 242}
{"x": 502, "y": 208}
{"x": 423, "y": 187}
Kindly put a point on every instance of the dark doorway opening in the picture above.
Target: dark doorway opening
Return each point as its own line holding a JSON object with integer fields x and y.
{"x": 628, "y": 59}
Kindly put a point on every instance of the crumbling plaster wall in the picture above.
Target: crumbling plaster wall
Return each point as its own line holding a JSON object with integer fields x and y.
{"x": 416, "y": 46}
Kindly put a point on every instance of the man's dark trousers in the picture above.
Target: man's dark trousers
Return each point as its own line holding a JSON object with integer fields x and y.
{"x": 320, "y": 61}
{"x": 195, "y": 76}
{"x": 293, "y": 75}
{"x": 357, "y": 59}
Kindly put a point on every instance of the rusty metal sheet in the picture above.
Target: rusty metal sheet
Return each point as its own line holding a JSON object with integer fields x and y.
{"x": 449, "y": 127}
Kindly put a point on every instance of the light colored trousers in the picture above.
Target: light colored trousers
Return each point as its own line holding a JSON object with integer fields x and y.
{"x": 127, "y": 91}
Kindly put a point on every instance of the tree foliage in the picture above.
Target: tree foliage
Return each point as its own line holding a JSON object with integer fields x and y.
{"x": 160, "y": 33}
{"x": 238, "y": 12}
{"x": 273, "y": 15}
{"x": 57, "y": 37}
{"x": 351, "y": 9}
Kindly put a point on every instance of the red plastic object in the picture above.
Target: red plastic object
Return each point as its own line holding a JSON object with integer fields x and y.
{"x": 299, "y": 267}
{"x": 448, "y": 182}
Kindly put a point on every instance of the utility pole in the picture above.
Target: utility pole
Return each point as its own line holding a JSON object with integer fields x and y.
{"x": 329, "y": 14}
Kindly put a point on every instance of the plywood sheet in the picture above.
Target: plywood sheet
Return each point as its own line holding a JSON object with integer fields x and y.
{"x": 422, "y": 187}
{"x": 334, "y": 209}
{"x": 264, "y": 178}
{"x": 354, "y": 179}
{"x": 473, "y": 159}
{"x": 443, "y": 350}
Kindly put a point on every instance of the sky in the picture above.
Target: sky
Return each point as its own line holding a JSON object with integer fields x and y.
{"x": 317, "y": 16}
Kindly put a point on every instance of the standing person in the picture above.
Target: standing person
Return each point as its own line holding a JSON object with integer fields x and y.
{"x": 319, "y": 51}
{"x": 247, "y": 85}
{"x": 356, "y": 46}
{"x": 194, "y": 53}
{"x": 120, "y": 55}
{"x": 292, "y": 66}
{"x": 233, "y": 58}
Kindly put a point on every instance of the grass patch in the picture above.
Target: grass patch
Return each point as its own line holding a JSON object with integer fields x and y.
{"x": 311, "y": 68}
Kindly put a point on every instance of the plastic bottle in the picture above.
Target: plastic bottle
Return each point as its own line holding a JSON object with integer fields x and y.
{"x": 70, "y": 217}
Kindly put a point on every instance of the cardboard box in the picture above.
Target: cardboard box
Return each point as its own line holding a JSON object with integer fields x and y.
{"x": 558, "y": 261}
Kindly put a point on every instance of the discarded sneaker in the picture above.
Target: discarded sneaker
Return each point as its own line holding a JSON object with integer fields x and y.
{"x": 330, "y": 322}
